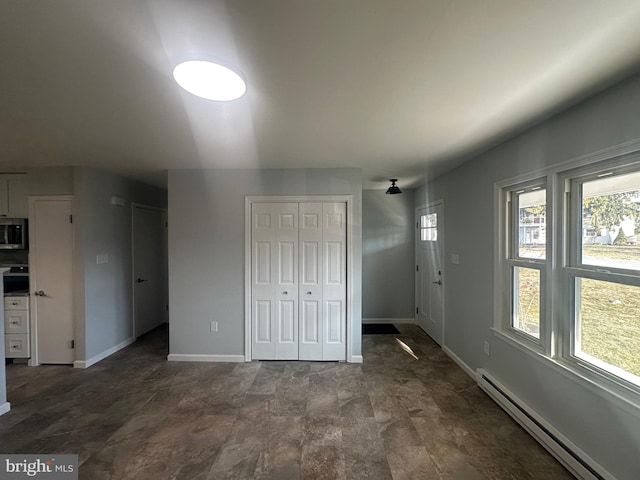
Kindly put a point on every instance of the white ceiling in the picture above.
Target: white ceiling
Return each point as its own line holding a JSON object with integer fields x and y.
{"x": 399, "y": 88}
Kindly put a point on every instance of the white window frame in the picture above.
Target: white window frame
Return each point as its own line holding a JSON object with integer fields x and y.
{"x": 507, "y": 253}
{"x": 573, "y": 268}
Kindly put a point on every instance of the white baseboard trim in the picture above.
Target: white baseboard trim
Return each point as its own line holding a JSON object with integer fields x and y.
{"x": 102, "y": 355}
{"x": 356, "y": 359}
{"x": 188, "y": 357}
{"x": 467, "y": 369}
{"x": 580, "y": 464}
{"x": 4, "y": 408}
{"x": 410, "y": 321}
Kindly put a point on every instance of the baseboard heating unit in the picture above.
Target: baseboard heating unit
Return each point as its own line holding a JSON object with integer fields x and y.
{"x": 565, "y": 451}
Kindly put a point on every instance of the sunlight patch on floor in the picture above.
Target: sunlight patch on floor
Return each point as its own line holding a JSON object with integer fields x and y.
{"x": 406, "y": 348}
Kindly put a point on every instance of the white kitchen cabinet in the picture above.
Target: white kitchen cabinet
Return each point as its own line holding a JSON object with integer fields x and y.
{"x": 14, "y": 195}
{"x": 16, "y": 327}
{"x": 16, "y": 321}
{"x": 16, "y": 345}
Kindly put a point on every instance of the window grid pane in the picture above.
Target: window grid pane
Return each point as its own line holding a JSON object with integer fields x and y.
{"x": 610, "y": 210}
{"x": 608, "y": 325}
{"x": 532, "y": 215}
{"x": 526, "y": 301}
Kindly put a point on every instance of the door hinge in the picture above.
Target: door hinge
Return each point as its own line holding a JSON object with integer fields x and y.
{"x": 166, "y": 307}
{"x": 417, "y": 226}
{"x": 70, "y": 218}
{"x": 73, "y": 344}
{"x": 417, "y": 310}
{"x": 417, "y": 269}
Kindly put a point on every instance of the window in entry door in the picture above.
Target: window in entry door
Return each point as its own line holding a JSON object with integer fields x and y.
{"x": 429, "y": 227}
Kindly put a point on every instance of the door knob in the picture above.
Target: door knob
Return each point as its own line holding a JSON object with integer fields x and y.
{"x": 308, "y": 293}
{"x": 439, "y": 282}
{"x": 285, "y": 293}
{"x": 140, "y": 280}
{"x": 40, "y": 293}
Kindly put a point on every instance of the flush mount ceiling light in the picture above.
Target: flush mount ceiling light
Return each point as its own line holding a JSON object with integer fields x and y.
{"x": 393, "y": 189}
{"x": 209, "y": 80}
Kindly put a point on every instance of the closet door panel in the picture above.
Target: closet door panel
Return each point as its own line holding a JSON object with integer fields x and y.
{"x": 310, "y": 237}
{"x": 275, "y": 281}
{"x": 334, "y": 281}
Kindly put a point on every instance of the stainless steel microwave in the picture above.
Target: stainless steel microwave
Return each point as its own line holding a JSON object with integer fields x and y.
{"x": 13, "y": 233}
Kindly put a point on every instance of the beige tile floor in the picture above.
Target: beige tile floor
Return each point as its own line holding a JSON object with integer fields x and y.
{"x": 137, "y": 416}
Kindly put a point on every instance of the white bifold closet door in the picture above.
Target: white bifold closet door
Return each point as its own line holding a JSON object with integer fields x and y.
{"x": 299, "y": 281}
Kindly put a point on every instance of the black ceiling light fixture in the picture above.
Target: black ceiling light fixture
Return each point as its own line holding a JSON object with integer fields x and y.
{"x": 393, "y": 189}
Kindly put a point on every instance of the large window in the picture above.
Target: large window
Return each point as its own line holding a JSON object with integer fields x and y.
{"x": 603, "y": 271}
{"x": 572, "y": 292}
{"x": 526, "y": 257}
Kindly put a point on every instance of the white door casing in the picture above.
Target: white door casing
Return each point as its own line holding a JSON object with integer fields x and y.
{"x": 298, "y": 280}
{"x": 51, "y": 279}
{"x": 149, "y": 269}
{"x": 429, "y": 270}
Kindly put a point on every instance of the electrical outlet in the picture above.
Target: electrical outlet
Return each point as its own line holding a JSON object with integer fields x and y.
{"x": 455, "y": 258}
{"x": 214, "y": 326}
{"x": 487, "y": 348}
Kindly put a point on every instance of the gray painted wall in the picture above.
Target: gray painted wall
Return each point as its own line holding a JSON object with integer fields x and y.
{"x": 388, "y": 242}
{"x": 104, "y": 291}
{"x": 206, "y": 249}
{"x": 606, "y": 430}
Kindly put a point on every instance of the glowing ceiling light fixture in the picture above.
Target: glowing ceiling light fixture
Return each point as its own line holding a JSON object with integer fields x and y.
{"x": 209, "y": 80}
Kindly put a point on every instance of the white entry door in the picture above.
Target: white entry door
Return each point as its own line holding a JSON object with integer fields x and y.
{"x": 429, "y": 274}
{"x": 298, "y": 281}
{"x": 51, "y": 278}
{"x": 149, "y": 268}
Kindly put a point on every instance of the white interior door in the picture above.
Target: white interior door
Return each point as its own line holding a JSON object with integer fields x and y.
{"x": 323, "y": 288}
{"x": 149, "y": 268}
{"x": 334, "y": 274}
{"x": 274, "y": 295}
{"x": 429, "y": 274}
{"x": 311, "y": 281}
{"x": 303, "y": 295}
{"x": 51, "y": 278}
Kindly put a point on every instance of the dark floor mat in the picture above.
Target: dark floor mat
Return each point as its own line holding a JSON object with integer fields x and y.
{"x": 379, "y": 328}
